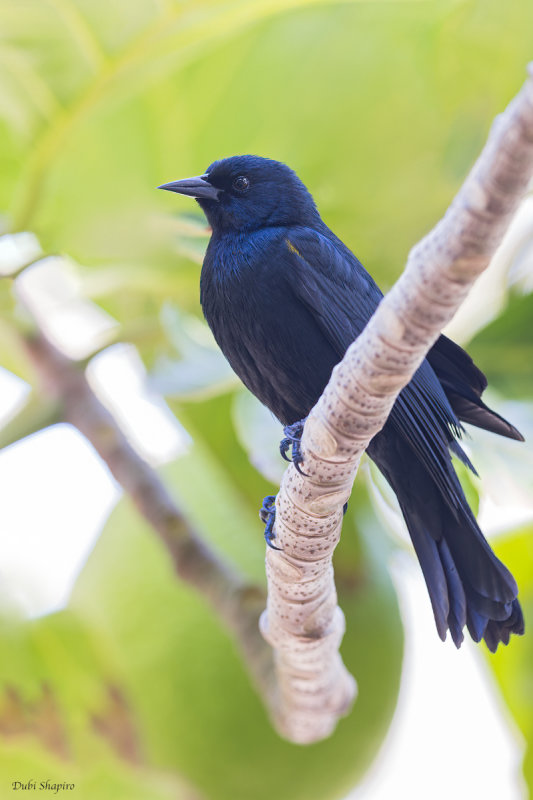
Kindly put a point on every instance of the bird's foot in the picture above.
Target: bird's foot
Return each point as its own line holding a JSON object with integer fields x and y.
{"x": 292, "y": 440}
{"x": 267, "y": 515}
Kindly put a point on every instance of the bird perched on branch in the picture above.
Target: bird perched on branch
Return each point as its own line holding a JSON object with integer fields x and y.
{"x": 285, "y": 298}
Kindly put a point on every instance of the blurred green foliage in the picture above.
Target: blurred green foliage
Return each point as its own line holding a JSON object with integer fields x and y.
{"x": 381, "y": 109}
{"x": 196, "y": 709}
{"x": 505, "y": 346}
{"x": 512, "y": 665}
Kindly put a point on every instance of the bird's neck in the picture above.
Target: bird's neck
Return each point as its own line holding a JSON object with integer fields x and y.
{"x": 222, "y": 262}
{"x": 229, "y": 253}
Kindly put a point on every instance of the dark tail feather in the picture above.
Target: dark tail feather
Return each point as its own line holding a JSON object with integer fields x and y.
{"x": 464, "y": 383}
{"x": 500, "y": 631}
{"x": 456, "y": 595}
{"x": 467, "y": 583}
{"x": 450, "y": 573}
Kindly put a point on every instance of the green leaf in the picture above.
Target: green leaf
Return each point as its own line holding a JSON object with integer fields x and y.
{"x": 13, "y": 355}
{"x": 230, "y": 518}
{"x": 215, "y": 72}
{"x": 145, "y": 45}
{"x": 512, "y": 664}
{"x": 258, "y": 432}
{"x": 201, "y": 370}
{"x": 192, "y": 695}
{"x": 504, "y": 349}
{"x": 210, "y": 423}
{"x": 38, "y": 413}
{"x": 66, "y": 717}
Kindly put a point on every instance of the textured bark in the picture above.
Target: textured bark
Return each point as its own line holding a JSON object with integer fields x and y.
{"x": 302, "y": 620}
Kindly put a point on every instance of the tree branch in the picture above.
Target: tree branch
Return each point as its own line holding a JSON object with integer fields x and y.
{"x": 237, "y": 603}
{"x": 302, "y": 620}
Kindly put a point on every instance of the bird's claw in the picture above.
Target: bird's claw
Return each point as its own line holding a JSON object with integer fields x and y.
{"x": 267, "y": 515}
{"x": 292, "y": 440}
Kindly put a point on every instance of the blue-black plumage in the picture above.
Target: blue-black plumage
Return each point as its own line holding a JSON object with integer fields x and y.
{"x": 285, "y": 298}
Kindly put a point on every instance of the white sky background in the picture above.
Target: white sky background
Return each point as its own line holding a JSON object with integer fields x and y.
{"x": 451, "y": 736}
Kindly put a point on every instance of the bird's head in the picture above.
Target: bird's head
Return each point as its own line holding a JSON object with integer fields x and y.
{"x": 249, "y": 192}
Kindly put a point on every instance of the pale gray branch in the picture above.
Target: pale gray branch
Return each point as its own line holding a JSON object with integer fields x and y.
{"x": 302, "y": 620}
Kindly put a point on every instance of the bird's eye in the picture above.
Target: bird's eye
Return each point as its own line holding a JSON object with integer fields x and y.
{"x": 241, "y": 184}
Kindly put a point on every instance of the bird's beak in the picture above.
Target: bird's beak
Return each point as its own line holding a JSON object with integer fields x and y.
{"x": 193, "y": 187}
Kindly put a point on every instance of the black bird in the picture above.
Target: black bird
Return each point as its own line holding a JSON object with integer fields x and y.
{"x": 285, "y": 298}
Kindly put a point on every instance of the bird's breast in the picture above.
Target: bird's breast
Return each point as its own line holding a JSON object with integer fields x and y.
{"x": 269, "y": 337}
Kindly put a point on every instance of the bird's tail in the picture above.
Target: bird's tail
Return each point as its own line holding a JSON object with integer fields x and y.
{"x": 467, "y": 583}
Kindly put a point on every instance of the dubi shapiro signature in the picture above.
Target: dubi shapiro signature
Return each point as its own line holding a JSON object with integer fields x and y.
{"x": 46, "y": 786}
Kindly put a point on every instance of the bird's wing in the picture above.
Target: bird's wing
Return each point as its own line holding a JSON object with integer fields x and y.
{"x": 328, "y": 279}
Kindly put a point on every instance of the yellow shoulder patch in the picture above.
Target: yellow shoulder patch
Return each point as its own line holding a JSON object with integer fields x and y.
{"x": 292, "y": 248}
